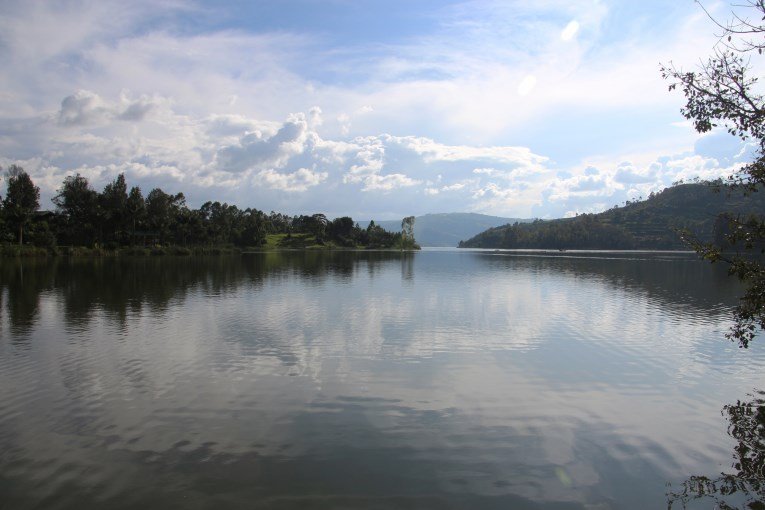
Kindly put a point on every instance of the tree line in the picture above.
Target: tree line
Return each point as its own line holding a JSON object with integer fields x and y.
{"x": 582, "y": 233}
{"x": 119, "y": 217}
{"x": 705, "y": 208}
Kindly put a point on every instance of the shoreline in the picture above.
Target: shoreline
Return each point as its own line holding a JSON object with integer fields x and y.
{"x": 14, "y": 251}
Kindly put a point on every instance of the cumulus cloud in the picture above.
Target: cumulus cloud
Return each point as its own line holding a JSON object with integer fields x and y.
{"x": 85, "y": 107}
{"x": 130, "y": 105}
{"x": 587, "y": 184}
{"x": 388, "y": 182}
{"x": 435, "y": 151}
{"x": 299, "y": 180}
{"x": 255, "y": 150}
{"x": 627, "y": 173}
{"x": 81, "y": 108}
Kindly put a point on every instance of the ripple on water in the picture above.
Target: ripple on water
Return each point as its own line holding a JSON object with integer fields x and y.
{"x": 459, "y": 378}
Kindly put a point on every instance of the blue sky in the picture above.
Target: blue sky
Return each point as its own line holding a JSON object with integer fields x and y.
{"x": 368, "y": 108}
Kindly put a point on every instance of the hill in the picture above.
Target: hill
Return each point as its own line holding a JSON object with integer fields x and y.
{"x": 448, "y": 229}
{"x": 647, "y": 224}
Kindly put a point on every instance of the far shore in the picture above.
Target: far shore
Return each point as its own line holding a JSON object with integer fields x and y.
{"x": 275, "y": 243}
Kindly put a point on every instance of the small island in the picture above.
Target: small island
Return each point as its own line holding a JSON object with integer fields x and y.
{"x": 121, "y": 222}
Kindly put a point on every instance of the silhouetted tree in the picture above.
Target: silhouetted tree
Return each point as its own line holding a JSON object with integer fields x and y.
{"x": 161, "y": 210}
{"x": 135, "y": 208}
{"x": 724, "y": 92}
{"x": 746, "y": 424}
{"x": 22, "y": 198}
{"x": 77, "y": 202}
{"x": 341, "y": 230}
{"x": 319, "y": 226}
{"x": 113, "y": 201}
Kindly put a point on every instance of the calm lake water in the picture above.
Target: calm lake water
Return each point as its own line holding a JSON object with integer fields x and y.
{"x": 441, "y": 379}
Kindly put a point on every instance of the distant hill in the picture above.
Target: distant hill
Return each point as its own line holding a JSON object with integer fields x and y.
{"x": 648, "y": 224}
{"x": 448, "y": 229}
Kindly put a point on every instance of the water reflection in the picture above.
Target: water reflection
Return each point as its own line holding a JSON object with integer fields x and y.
{"x": 122, "y": 286}
{"x": 347, "y": 380}
{"x": 746, "y": 487}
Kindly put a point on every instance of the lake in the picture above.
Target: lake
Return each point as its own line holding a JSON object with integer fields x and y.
{"x": 438, "y": 379}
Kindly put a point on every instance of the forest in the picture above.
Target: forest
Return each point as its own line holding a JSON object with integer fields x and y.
{"x": 118, "y": 217}
{"x": 701, "y": 209}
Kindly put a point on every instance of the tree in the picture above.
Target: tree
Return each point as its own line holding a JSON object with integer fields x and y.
{"x": 341, "y": 231}
{"x": 746, "y": 425}
{"x": 135, "y": 208}
{"x": 723, "y": 92}
{"x": 162, "y": 210}
{"x": 22, "y": 198}
{"x": 318, "y": 226}
{"x": 78, "y": 203}
{"x": 407, "y": 232}
{"x": 114, "y": 200}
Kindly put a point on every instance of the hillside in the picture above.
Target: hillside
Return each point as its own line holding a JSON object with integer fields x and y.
{"x": 448, "y": 229}
{"x": 647, "y": 224}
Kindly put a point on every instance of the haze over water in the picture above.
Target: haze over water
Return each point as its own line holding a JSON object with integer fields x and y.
{"x": 440, "y": 379}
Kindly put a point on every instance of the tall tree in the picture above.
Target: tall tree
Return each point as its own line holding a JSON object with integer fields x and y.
{"x": 114, "y": 200}
{"x": 135, "y": 208}
{"x": 22, "y": 198}
{"x": 319, "y": 226}
{"x": 724, "y": 92}
{"x": 78, "y": 203}
{"x": 407, "y": 232}
{"x": 162, "y": 209}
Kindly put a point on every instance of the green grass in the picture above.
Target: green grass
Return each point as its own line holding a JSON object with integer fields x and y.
{"x": 12, "y": 250}
{"x": 295, "y": 242}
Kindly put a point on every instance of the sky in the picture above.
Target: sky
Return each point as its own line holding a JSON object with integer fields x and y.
{"x": 373, "y": 109}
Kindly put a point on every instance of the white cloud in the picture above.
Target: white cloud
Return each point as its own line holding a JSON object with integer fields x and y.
{"x": 86, "y": 107}
{"x": 570, "y": 31}
{"x": 255, "y": 150}
{"x": 299, "y": 180}
{"x": 527, "y": 85}
{"x": 388, "y": 182}
{"x": 203, "y": 111}
{"x": 626, "y": 173}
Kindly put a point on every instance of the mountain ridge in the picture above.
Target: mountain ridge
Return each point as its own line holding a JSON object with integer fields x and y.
{"x": 448, "y": 229}
{"x": 648, "y": 224}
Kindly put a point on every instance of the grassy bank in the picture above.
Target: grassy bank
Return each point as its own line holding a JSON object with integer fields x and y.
{"x": 300, "y": 242}
{"x": 309, "y": 242}
{"x": 82, "y": 251}
{"x": 274, "y": 242}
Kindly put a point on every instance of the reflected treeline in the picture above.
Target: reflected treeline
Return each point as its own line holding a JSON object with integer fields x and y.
{"x": 20, "y": 289}
{"x": 119, "y": 286}
{"x": 746, "y": 487}
{"x": 676, "y": 281}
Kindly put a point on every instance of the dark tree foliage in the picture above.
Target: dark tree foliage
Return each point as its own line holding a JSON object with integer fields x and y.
{"x": 319, "y": 226}
{"x": 116, "y": 217}
{"x": 22, "y": 198}
{"x": 114, "y": 204}
{"x": 80, "y": 212}
{"x": 583, "y": 232}
{"x": 343, "y": 230}
{"x": 723, "y": 92}
{"x": 135, "y": 208}
{"x": 746, "y": 424}
{"x": 650, "y": 224}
